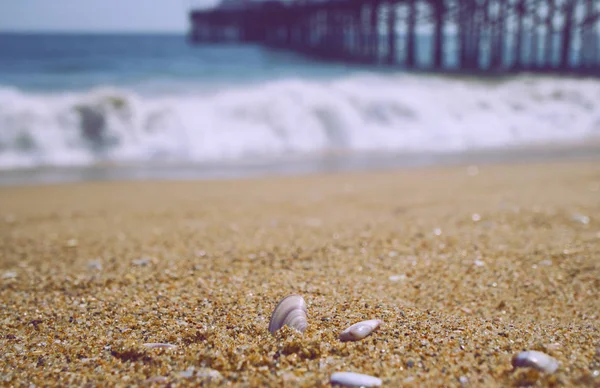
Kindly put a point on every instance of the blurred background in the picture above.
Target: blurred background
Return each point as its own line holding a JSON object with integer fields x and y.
{"x": 146, "y": 89}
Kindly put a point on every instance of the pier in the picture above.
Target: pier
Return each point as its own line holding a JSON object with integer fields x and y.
{"x": 558, "y": 36}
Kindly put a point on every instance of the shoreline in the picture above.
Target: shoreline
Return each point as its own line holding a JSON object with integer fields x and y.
{"x": 299, "y": 166}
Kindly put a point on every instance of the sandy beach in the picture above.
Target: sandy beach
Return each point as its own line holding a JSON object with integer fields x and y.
{"x": 465, "y": 266}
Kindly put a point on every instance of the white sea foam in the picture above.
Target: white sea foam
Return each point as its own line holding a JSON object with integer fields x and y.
{"x": 366, "y": 112}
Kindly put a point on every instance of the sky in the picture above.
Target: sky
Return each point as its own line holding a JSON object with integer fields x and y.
{"x": 97, "y": 15}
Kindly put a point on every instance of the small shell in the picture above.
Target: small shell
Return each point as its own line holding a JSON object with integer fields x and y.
{"x": 291, "y": 311}
{"x": 534, "y": 359}
{"x": 209, "y": 374}
{"x": 351, "y": 379}
{"x": 9, "y": 275}
{"x": 141, "y": 262}
{"x": 360, "y": 330}
{"x": 154, "y": 345}
{"x": 156, "y": 379}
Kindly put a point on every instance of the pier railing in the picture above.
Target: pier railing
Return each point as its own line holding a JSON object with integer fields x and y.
{"x": 461, "y": 35}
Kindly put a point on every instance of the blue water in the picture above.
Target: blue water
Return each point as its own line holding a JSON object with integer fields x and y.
{"x": 51, "y": 62}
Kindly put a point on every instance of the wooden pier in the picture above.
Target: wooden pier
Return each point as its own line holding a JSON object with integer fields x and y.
{"x": 561, "y": 36}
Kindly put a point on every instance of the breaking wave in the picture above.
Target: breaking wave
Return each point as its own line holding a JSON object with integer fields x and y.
{"x": 358, "y": 113}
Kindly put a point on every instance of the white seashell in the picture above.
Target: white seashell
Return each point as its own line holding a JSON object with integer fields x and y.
{"x": 155, "y": 345}
{"x": 535, "y": 359}
{"x": 395, "y": 278}
{"x": 156, "y": 379}
{"x": 351, "y": 379}
{"x": 186, "y": 374}
{"x": 141, "y": 262}
{"x": 95, "y": 265}
{"x": 207, "y": 374}
{"x": 360, "y": 330}
{"x": 581, "y": 219}
{"x": 291, "y": 311}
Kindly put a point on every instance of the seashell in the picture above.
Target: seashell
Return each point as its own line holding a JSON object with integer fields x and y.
{"x": 95, "y": 265}
{"x": 9, "y": 275}
{"x": 141, "y": 262}
{"x": 351, "y": 379}
{"x": 534, "y": 359}
{"x": 209, "y": 374}
{"x": 291, "y": 311}
{"x": 360, "y": 330}
{"x": 581, "y": 219}
{"x": 156, "y": 379}
{"x": 186, "y": 374}
{"x": 155, "y": 345}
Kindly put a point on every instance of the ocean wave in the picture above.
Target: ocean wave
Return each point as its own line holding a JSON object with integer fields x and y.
{"x": 359, "y": 113}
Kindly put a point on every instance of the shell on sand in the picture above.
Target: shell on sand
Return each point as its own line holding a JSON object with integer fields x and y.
{"x": 360, "y": 330}
{"x": 291, "y": 311}
{"x": 351, "y": 379}
{"x": 534, "y": 359}
{"x": 154, "y": 345}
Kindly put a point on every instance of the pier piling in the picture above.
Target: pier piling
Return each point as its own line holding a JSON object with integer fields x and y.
{"x": 561, "y": 36}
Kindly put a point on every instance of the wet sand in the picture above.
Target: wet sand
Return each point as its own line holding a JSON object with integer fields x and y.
{"x": 466, "y": 267}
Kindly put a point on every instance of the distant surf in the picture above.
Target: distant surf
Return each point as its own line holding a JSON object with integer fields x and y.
{"x": 363, "y": 112}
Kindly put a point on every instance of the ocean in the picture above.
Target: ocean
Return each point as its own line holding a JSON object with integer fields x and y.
{"x": 77, "y": 107}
